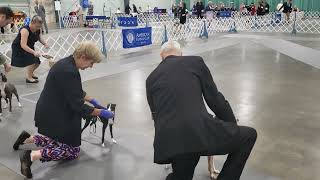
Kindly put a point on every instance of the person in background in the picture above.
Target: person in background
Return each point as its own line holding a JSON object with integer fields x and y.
{"x": 183, "y": 13}
{"x": 199, "y": 8}
{"x": 41, "y": 11}
{"x": 90, "y": 9}
{"x": 128, "y": 9}
{"x": 118, "y": 11}
{"x": 261, "y": 8}
{"x": 23, "y": 51}
{"x": 134, "y": 10}
{"x": 79, "y": 13}
{"x": 140, "y": 10}
{"x": 59, "y": 111}
{"x": 209, "y": 12}
{"x": 267, "y": 7}
{"x": 6, "y": 17}
{"x": 222, "y": 7}
{"x": 253, "y": 9}
{"x": 287, "y": 8}
{"x": 175, "y": 10}
{"x": 134, "y": 7}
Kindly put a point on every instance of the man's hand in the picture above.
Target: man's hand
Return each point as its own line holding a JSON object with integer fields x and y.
{"x": 37, "y": 54}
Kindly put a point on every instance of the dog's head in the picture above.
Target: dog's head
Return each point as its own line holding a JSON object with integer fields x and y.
{"x": 3, "y": 77}
{"x": 111, "y": 107}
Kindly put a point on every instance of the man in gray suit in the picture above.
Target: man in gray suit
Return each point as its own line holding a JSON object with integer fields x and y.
{"x": 39, "y": 9}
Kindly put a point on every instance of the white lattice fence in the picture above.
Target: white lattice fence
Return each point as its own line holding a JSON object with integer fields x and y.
{"x": 63, "y": 44}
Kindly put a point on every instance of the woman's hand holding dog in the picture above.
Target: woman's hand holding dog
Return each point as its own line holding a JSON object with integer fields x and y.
{"x": 106, "y": 114}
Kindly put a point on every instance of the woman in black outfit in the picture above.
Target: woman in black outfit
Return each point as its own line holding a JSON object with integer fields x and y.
{"x": 287, "y": 8}
{"x": 183, "y": 13}
{"x": 23, "y": 51}
{"x": 59, "y": 110}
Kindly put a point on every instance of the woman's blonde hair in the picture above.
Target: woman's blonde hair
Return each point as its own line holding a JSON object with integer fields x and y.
{"x": 88, "y": 49}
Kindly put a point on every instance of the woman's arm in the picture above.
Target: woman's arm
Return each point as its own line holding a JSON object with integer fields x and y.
{"x": 96, "y": 112}
{"x": 24, "y": 40}
{"x": 87, "y": 98}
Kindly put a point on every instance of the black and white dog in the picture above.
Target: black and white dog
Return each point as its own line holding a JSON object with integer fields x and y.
{"x": 92, "y": 120}
{"x": 8, "y": 89}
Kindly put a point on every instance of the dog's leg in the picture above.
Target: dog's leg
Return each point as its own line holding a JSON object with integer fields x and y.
{"x": 216, "y": 171}
{"x": 93, "y": 125}
{"x": 111, "y": 133}
{"x": 7, "y": 102}
{"x": 85, "y": 125}
{"x": 17, "y": 96}
{"x": 10, "y": 101}
{"x": 105, "y": 125}
{"x": 0, "y": 105}
{"x": 213, "y": 172}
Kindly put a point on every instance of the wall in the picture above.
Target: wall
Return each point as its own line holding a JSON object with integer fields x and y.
{"x": 110, "y": 5}
{"x": 301, "y": 4}
{"x": 28, "y": 7}
{"x": 161, "y": 4}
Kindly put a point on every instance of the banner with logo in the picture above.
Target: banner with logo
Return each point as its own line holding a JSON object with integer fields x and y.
{"x": 137, "y": 37}
{"x": 225, "y": 14}
{"x": 128, "y": 21}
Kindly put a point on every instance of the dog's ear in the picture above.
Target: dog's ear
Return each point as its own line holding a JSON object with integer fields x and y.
{"x": 113, "y": 107}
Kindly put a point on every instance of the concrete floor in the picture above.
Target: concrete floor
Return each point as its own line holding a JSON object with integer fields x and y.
{"x": 271, "y": 87}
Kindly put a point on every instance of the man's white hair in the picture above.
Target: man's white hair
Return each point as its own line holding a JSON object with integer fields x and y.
{"x": 171, "y": 46}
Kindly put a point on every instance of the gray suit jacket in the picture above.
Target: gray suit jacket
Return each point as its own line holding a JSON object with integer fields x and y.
{"x": 40, "y": 11}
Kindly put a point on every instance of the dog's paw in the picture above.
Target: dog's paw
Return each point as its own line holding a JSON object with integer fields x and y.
{"x": 19, "y": 104}
{"x": 103, "y": 145}
{"x": 0, "y": 114}
{"x": 114, "y": 141}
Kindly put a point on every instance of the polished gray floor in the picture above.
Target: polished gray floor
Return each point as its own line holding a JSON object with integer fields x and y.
{"x": 272, "y": 83}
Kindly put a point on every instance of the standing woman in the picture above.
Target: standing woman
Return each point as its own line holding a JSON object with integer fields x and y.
{"x": 287, "y": 8}
{"x": 183, "y": 13}
{"x": 23, "y": 52}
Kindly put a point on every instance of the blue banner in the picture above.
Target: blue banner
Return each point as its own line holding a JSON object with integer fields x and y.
{"x": 96, "y": 17}
{"x": 137, "y": 37}
{"x": 128, "y": 21}
{"x": 225, "y": 14}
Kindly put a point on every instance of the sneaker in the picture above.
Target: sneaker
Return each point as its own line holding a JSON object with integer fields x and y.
{"x": 25, "y": 160}
{"x": 22, "y": 137}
